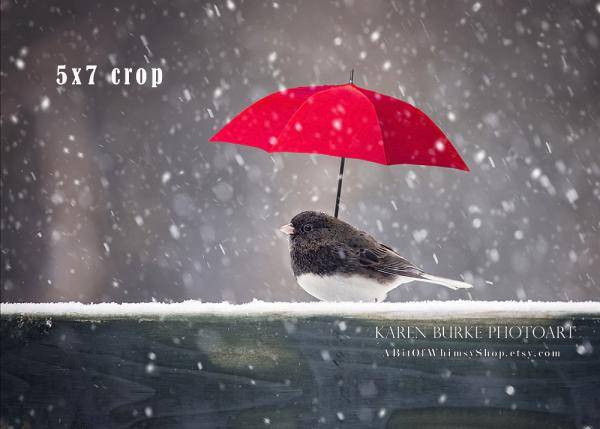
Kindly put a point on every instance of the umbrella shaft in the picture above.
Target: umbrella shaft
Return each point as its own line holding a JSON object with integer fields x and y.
{"x": 339, "y": 191}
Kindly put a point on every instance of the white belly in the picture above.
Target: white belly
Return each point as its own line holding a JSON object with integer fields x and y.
{"x": 347, "y": 288}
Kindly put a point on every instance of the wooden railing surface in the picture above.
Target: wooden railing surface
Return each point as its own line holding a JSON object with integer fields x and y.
{"x": 219, "y": 371}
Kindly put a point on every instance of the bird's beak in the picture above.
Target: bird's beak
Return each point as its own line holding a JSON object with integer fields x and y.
{"x": 287, "y": 229}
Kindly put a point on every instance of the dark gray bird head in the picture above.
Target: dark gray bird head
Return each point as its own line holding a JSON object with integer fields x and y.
{"x": 315, "y": 227}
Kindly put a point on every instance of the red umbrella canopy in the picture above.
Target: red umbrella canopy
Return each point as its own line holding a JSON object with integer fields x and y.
{"x": 345, "y": 121}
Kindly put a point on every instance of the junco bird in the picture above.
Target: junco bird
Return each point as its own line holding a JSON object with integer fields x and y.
{"x": 333, "y": 261}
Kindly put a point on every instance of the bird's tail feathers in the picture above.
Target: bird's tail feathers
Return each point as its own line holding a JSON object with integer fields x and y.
{"x": 449, "y": 283}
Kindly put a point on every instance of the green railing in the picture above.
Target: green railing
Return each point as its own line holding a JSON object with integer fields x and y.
{"x": 290, "y": 365}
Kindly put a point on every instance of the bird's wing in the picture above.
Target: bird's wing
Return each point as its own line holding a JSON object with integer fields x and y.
{"x": 379, "y": 257}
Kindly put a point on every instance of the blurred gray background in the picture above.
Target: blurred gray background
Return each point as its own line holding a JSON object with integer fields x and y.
{"x": 114, "y": 194}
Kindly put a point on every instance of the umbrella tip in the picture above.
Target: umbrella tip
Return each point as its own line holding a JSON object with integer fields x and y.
{"x": 352, "y": 76}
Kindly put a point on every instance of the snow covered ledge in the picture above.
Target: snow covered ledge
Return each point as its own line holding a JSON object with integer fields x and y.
{"x": 424, "y": 310}
{"x": 308, "y": 364}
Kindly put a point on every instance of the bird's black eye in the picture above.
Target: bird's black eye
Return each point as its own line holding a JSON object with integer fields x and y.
{"x": 307, "y": 228}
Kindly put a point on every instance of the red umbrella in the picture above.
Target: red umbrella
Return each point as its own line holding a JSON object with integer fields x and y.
{"x": 345, "y": 121}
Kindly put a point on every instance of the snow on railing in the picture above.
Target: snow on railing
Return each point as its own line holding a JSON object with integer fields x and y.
{"x": 384, "y": 310}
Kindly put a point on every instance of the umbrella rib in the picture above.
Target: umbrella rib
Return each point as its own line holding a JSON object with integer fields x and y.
{"x": 299, "y": 109}
{"x": 374, "y": 110}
